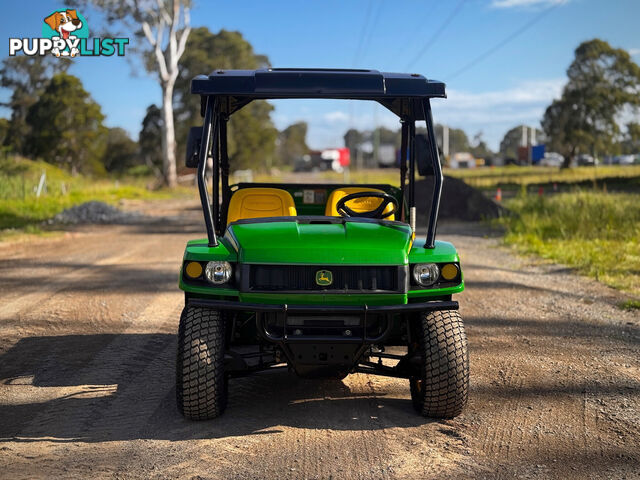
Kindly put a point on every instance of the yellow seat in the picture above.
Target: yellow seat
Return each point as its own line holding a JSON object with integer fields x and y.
{"x": 260, "y": 202}
{"x": 365, "y": 204}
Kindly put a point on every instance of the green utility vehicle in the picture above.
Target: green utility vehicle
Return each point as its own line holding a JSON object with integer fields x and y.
{"x": 319, "y": 279}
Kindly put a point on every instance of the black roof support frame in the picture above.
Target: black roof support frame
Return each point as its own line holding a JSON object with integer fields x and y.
{"x": 226, "y": 91}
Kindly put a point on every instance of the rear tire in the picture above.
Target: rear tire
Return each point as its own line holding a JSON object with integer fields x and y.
{"x": 441, "y": 385}
{"x": 201, "y": 382}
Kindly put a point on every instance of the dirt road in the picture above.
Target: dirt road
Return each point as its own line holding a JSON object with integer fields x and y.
{"x": 87, "y": 346}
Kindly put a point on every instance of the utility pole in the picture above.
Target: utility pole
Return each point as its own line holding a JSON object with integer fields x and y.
{"x": 524, "y": 142}
{"x": 445, "y": 141}
{"x": 532, "y": 131}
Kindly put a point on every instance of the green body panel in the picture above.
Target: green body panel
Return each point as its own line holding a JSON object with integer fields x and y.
{"x": 348, "y": 243}
{"x": 200, "y": 250}
{"x": 434, "y": 292}
{"x": 324, "y": 299}
{"x": 444, "y": 252}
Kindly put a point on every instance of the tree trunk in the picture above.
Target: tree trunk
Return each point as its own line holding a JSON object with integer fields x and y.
{"x": 568, "y": 158}
{"x": 168, "y": 136}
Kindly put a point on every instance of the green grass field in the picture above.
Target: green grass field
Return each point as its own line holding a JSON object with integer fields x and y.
{"x": 514, "y": 177}
{"x": 596, "y": 232}
{"x": 486, "y": 178}
{"x": 21, "y": 210}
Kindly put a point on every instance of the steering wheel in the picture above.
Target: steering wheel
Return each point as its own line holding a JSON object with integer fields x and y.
{"x": 378, "y": 212}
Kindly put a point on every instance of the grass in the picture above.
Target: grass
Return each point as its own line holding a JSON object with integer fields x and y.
{"x": 596, "y": 232}
{"x": 383, "y": 175}
{"x": 486, "y": 178}
{"x": 516, "y": 177}
{"x": 630, "y": 305}
{"x": 21, "y": 210}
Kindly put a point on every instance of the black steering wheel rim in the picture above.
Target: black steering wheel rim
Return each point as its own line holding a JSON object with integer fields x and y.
{"x": 378, "y": 212}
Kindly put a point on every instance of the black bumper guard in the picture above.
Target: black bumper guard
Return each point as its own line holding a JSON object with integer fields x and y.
{"x": 285, "y": 310}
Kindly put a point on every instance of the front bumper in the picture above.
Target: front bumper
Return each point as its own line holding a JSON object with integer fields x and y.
{"x": 363, "y": 311}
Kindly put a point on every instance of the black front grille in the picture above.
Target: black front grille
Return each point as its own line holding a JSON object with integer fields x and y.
{"x": 292, "y": 278}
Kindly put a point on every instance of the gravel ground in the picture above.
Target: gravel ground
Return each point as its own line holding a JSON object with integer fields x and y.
{"x": 87, "y": 351}
{"x": 95, "y": 213}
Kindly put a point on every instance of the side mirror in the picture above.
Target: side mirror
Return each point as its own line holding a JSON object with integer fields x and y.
{"x": 193, "y": 147}
{"x": 424, "y": 160}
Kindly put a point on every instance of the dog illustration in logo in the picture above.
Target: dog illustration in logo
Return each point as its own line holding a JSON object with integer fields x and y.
{"x": 64, "y": 23}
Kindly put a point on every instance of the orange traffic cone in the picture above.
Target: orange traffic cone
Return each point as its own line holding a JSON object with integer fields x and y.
{"x": 499, "y": 195}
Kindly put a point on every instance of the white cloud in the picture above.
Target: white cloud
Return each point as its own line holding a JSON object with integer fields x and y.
{"x": 525, "y": 3}
{"x": 495, "y": 112}
{"x": 336, "y": 117}
{"x": 527, "y": 93}
{"x": 492, "y": 112}
{"x": 634, "y": 52}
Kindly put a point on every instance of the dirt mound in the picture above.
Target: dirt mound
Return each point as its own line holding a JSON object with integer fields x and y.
{"x": 459, "y": 201}
{"x": 95, "y": 212}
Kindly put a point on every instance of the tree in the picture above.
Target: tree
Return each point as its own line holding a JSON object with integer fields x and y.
{"x": 353, "y": 138}
{"x": 387, "y": 136}
{"x": 165, "y": 24}
{"x": 513, "y": 139}
{"x": 292, "y": 143}
{"x": 150, "y": 137}
{"x": 603, "y": 82}
{"x": 631, "y": 142}
{"x": 252, "y": 137}
{"x": 458, "y": 140}
{"x": 121, "y": 152}
{"x": 26, "y": 77}
{"x": 65, "y": 126}
{"x": 4, "y": 128}
{"x": 480, "y": 148}
{"x": 251, "y": 132}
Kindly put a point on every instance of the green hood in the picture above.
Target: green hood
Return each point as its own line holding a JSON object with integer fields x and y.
{"x": 348, "y": 243}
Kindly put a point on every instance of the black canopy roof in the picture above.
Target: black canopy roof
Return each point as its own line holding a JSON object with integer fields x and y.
{"x": 401, "y": 93}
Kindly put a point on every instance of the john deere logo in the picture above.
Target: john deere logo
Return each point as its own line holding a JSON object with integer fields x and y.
{"x": 324, "y": 278}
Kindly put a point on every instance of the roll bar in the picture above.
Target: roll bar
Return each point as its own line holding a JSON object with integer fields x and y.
{"x": 214, "y": 140}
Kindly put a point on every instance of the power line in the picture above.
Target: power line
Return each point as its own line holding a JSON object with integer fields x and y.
{"x": 357, "y": 55}
{"x": 362, "y": 34}
{"x": 437, "y": 33}
{"x": 374, "y": 24}
{"x": 420, "y": 25}
{"x": 502, "y": 43}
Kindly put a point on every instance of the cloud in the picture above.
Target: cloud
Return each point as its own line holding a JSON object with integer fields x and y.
{"x": 336, "y": 117}
{"x": 634, "y": 52}
{"x": 525, "y": 3}
{"x": 495, "y": 112}
{"x": 492, "y": 112}
{"x": 527, "y": 93}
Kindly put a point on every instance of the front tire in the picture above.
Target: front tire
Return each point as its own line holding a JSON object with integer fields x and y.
{"x": 201, "y": 382}
{"x": 441, "y": 385}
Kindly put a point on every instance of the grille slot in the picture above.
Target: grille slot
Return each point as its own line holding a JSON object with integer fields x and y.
{"x": 296, "y": 278}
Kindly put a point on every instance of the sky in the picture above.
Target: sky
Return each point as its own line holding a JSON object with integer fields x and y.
{"x": 503, "y": 61}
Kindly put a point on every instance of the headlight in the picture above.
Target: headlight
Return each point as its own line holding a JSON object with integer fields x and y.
{"x": 426, "y": 274}
{"x": 218, "y": 272}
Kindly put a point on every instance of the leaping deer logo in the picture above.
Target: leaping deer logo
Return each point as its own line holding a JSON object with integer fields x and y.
{"x": 324, "y": 278}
